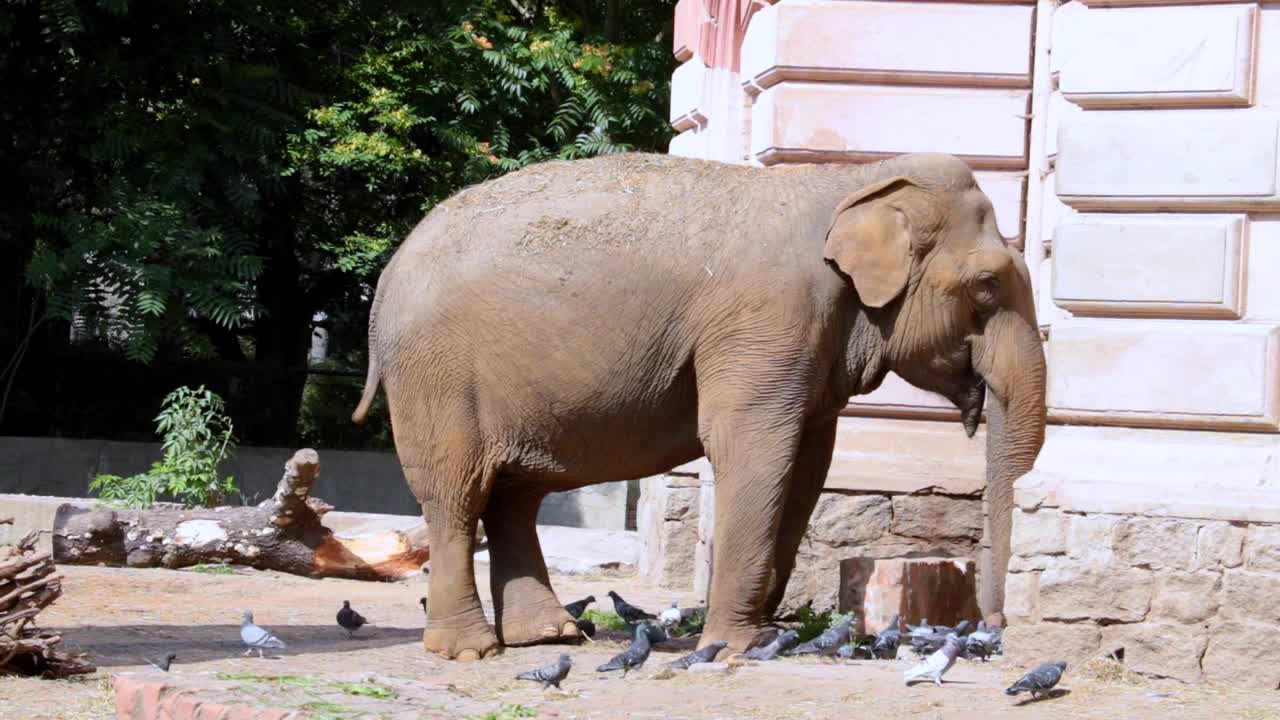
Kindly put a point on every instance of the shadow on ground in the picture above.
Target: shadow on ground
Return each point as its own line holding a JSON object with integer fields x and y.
{"x": 127, "y": 645}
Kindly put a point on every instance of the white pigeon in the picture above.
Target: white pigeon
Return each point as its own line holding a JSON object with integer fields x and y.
{"x": 937, "y": 664}
{"x": 257, "y": 638}
{"x": 670, "y": 616}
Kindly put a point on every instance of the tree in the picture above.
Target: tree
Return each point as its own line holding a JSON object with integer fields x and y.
{"x": 193, "y": 181}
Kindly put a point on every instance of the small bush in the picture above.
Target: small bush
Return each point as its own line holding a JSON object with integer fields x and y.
{"x": 509, "y": 712}
{"x": 198, "y": 436}
{"x": 813, "y": 624}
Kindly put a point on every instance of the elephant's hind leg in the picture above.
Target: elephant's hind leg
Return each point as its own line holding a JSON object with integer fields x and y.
{"x": 456, "y": 625}
{"x": 525, "y": 607}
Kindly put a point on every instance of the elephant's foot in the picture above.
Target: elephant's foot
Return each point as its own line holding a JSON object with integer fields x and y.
{"x": 740, "y": 638}
{"x": 464, "y": 641}
{"x": 541, "y": 622}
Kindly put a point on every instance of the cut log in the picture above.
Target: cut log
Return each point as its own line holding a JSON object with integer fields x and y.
{"x": 283, "y": 533}
{"x": 29, "y": 583}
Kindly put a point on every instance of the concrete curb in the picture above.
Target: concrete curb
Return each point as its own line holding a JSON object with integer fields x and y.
{"x": 139, "y": 698}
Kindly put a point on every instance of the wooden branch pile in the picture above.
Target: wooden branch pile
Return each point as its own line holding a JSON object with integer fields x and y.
{"x": 29, "y": 583}
{"x": 283, "y": 533}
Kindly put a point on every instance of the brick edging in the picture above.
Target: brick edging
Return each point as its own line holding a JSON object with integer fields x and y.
{"x": 140, "y": 698}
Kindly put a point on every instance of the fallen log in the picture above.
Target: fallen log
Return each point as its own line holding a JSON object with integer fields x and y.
{"x": 29, "y": 583}
{"x": 282, "y": 533}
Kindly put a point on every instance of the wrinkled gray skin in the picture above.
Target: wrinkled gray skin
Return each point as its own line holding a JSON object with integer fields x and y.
{"x": 608, "y": 319}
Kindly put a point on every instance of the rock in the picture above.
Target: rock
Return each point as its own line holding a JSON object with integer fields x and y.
{"x": 1159, "y": 649}
{"x": 1021, "y": 597}
{"x": 936, "y": 516}
{"x": 1089, "y": 538}
{"x": 840, "y": 519}
{"x": 1073, "y": 590}
{"x": 1034, "y": 563}
{"x": 1262, "y": 548}
{"x": 1043, "y": 532}
{"x": 1156, "y": 543}
{"x": 1218, "y": 545}
{"x": 711, "y": 668}
{"x": 667, "y": 525}
{"x": 1251, "y": 597}
{"x": 1029, "y": 645}
{"x": 1236, "y": 656}
{"x": 941, "y": 589}
{"x": 1186, "y": 597}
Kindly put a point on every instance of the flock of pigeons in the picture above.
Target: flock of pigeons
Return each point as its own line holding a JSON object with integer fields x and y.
{"x": 938, "y": 646}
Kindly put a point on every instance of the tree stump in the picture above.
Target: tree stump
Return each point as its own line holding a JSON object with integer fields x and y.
{"x": 283, "y": 533}
{"x": 29, "y": 583}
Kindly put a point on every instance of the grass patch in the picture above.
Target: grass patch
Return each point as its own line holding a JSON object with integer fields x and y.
{"x": 367, "y": 689}
{"x": 213, "y": 569}
{"x": 509, "y": 712}
{"x": 604, "y": 620}
{"x": 280, "y": 681}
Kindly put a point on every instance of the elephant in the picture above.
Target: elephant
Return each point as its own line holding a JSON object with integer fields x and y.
{"x": 586, "y": 321}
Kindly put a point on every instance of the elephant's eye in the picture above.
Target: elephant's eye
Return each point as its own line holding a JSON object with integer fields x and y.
{"x": 986, "y": 291}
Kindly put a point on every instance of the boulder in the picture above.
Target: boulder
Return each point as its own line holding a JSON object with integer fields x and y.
{"x": 1028, "y": 645}
{"x": 1156, "y": 543}
{"x": 1042, "y": 532}
{"x": 1074, "y": 590}
{"x": 1243, "y": 654}
{"x": 1262, "y": 548}
{"x": 1218, "y": 545}
{"x": 840, "y": 519}
{"x": 1251, "y": 597}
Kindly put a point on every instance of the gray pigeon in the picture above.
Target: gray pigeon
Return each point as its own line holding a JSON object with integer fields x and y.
{"x": 349, "y": 619}
{"x": 778, "y": 646}
{"x": 1039, "y": 681}
{"x": 633, "y": 657}
{"x": 423, "y": 602}
{"x": 586, "y": 627}
{"x": 847, "y": 652}
{"x": 828, "y": 642}
{"x": 886, "y": 643}
{"x": 924, "y": 628}
{"x": 256, "y": 638}
{"x": 705, "y": 655}
{"x": 937, "y": 664}
{"x": 577, "y": 607}
{"x": 551, "y": 674}
{"x": 627, "y": 611}
{"x": 983, "y": 642}
{"x": 165, "y": 663}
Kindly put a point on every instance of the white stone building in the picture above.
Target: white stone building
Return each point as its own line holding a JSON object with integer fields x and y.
{"x": 1135, "y": 147}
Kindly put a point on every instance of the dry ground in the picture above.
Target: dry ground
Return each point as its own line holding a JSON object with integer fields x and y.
{"x": 121, "y": 616}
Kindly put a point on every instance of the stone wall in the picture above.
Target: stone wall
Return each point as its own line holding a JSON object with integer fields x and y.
{"x": 1186, "y": 599}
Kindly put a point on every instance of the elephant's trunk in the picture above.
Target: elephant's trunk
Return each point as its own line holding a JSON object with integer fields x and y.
{"x": 1010, "y": 359}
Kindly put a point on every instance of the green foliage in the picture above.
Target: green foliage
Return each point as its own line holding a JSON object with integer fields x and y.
{"x": 812, "y": 624}
{"x": 198, "y": 436}
{"x": 509, "y": 712}
{"x": 604, "y": 620}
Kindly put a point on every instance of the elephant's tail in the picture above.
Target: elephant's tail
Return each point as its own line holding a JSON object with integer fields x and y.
{"x": 370, "y": 389}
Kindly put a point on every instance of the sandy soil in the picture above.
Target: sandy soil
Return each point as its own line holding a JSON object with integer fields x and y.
{"x": 121, "y": 616}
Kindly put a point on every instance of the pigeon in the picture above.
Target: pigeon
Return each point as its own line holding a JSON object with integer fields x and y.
{"x": 551, "y": 674}
{"x": 672, "y": 615}
{"x": 983, "y": 642}
{"x": 937, "y": 664}
{"x": 886, "y": 642}
{"x": 633, "y": 657}
{"x": 578, "y": 607}
{"x": 705, "y": 655}
{"x": 586, "y": 627}
{"x": 926, "y": 644}
{"x": 778, "y": 646}
{"x": 627, "y": 611}
{"x": 847, "y": 651}
{"x": 423, "y": 602}
{"x": 924, "y": 628}
{"x": 349, "y": 619}
{"x": 163, "y": 664}
{"x": 1038, "y": 681}
{"x": 256, "y": 638}
{"x": 828, "y": 642}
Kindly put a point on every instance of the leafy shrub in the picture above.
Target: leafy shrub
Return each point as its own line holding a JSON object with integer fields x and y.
{"x": 813, "y": 624}
{"x": 604, "y": 619}
{"x": 198, "y": 436}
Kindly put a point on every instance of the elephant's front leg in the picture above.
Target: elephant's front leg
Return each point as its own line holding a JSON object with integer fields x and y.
{"x": 525, "y": 607}
{"x": 753, "y": 460}
{"x": 807, "y": 478}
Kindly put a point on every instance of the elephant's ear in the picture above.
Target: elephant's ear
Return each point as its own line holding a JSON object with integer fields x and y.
{"x": 870, "y": 241}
